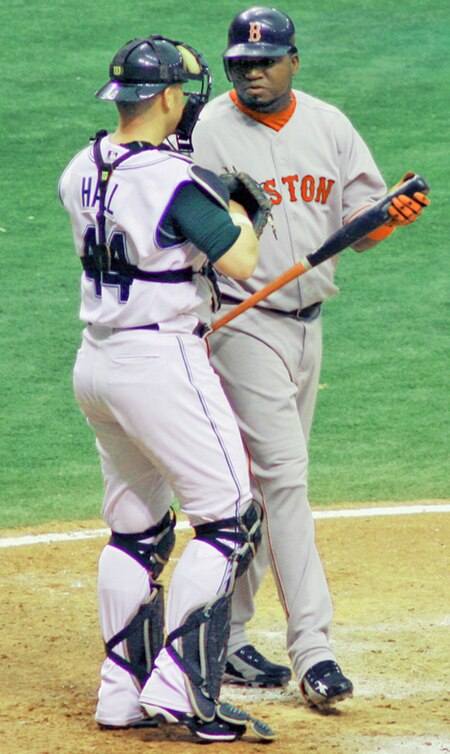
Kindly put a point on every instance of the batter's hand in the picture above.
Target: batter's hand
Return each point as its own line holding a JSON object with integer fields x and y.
{"x": 404, "y": 209}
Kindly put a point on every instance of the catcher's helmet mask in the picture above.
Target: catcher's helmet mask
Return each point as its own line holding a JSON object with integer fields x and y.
{"x": 144, "y": 67}
{"x": 259, "y": 32}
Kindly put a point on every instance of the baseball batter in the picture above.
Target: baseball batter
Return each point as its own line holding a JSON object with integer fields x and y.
{"x": 145, "y": 223}
{"x": 318, "y": 172}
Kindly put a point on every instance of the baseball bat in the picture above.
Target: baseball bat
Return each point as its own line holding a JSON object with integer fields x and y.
{"x": 349, "y": 234}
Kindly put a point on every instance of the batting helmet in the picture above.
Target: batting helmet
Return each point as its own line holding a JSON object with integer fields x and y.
{"x": 260, "y": 32}
{"x": 144, "y": 67}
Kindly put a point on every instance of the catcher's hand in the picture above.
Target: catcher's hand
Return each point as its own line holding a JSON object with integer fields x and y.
{"x": 404, "y": 209}
{"x": 247, "y": 192}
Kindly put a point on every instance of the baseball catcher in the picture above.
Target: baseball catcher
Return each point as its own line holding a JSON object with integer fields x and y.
{"x": 145, "y": 221}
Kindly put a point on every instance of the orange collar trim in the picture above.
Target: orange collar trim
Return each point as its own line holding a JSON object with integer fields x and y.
{"x": 271, "y": 120}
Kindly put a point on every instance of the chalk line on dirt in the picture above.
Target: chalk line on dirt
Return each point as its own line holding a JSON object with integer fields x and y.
{"x": 71, "y": 536}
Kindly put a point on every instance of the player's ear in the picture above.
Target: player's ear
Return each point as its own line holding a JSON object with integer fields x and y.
{"x": 295, "y": 62}
{"x": 166, "y": 99}
{"x": 171, "y": 96}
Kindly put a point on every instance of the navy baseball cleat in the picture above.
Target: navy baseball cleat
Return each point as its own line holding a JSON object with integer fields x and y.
{"x": 229, "y": 723}
{"x": 324, "y": 684}
{"x": 248, "y": 667}
{"x": 216, "y": 730}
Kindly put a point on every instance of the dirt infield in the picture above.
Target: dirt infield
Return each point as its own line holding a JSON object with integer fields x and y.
{"x": 389, "y": 580}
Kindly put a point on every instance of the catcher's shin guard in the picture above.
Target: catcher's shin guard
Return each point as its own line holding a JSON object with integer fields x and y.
{"x": 201, "y": 653}
{"x": 143, "y": 637}
{"x": 203, "y": 637}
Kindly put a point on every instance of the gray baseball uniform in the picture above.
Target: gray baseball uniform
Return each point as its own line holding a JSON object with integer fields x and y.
{"x": 318, "y": 171}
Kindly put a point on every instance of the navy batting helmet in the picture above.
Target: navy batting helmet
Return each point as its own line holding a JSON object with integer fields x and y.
{"x": 260, "y": 32}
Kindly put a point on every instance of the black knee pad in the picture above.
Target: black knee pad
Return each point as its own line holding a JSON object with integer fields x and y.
{"x": 151, "y": 548}
{"x": 252, "y": 520}
{"x": 238, "y": 538}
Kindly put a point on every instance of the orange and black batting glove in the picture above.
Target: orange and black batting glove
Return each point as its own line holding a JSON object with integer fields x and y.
{"x": 403, "y": 210}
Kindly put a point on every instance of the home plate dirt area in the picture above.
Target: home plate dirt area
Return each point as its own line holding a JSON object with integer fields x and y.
{"x": 388, "y": 573}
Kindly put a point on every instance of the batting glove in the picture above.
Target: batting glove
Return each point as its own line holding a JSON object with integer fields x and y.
{"x": 404, "y": 210}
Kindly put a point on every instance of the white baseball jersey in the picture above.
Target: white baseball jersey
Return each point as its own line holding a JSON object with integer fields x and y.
{"x": 136, "y": 200}
{"x": 162, "y": 422}
{"x": 318, "y": 172}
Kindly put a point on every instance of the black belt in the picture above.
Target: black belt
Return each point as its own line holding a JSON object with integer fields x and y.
{"x": 200, "y": 329}
{"x": 154, "y": 326}
{"x": 308, "y": 312}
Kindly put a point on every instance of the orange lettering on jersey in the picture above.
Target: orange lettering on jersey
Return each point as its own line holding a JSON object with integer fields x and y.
{"x": 323, "y": 189}
{"x": 308, "y": 186}
{"x": 254, "y": 31}
{"x": 269, "y": 187}
{"x": 289, "y": 181}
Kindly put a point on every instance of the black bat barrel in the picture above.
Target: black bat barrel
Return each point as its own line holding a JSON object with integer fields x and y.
{"x": 365, "y": 222}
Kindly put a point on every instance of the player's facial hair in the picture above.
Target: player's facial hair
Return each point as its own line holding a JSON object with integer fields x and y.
{"x": 252, "y": 103}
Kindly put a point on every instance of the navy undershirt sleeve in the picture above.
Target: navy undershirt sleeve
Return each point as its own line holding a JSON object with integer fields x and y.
{"x": 196, "y": 217}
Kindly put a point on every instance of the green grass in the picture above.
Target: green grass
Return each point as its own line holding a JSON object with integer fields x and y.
{"x": 381, "y": 427}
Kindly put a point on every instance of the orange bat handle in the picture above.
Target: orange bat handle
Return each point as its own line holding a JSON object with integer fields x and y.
{"x": 293, "y": 272}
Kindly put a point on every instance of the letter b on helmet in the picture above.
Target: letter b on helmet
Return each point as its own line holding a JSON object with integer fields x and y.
{"x": 260, "y": 32}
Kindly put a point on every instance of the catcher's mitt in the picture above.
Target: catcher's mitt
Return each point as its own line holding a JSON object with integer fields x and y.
{"x": 246, "y": 191}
